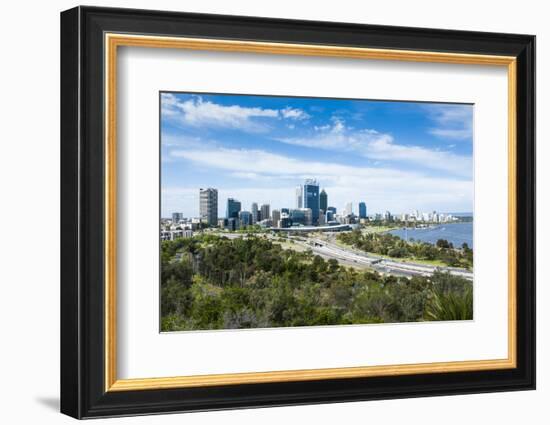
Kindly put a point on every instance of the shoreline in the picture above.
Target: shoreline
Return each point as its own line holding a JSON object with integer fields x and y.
{"x": 433, "y": 227}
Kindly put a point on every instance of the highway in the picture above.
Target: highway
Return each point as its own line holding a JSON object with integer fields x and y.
{"x": 383, "y": 265}
{"x": 355, "y": 258}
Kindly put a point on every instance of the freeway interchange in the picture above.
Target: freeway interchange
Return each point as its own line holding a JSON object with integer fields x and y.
{"x": 347, "y": 256}
{"x": 383, "y": 265}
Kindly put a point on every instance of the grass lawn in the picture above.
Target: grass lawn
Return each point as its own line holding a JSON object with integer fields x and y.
{"x": 378, "y": 229}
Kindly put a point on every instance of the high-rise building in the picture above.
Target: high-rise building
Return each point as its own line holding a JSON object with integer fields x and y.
{"x": 387, "y": 216}
{"x": 299, "y": 197}
{"x": 233, "y": 208}
{"x": 264, "y": 212}
{"x": 245, "y": 217}
{"x": 232, "y": 223}
{"x": 254, "y": 212}
{"x": 332, "y": 209}
{"x": 209, "y": 206}
{"x": 309, "y": 216}
{"x": 311, "y": 199}
{"x": 301, "y": 216}
{"x": 285, "y": 221}
{"x": 276, "y": 216}
{"x": 177, "y": 217}
{"x": 349, "y": 209}
{"x": 362, "y": 210}
{"x": 323, "y": 201}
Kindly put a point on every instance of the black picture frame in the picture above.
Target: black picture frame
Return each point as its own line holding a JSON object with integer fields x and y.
{"x": 83, "y": 392}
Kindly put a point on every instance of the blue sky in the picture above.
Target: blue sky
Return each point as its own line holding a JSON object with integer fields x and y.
{"x": 396, "y": 156}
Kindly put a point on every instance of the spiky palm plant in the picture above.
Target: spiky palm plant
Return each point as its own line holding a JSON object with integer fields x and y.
{"x": 450, "y": 305}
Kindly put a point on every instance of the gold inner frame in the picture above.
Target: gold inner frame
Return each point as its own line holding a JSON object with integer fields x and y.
{"x": 113, "y": 41}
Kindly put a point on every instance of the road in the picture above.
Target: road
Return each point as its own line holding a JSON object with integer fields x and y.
{"x": 354, "y": 258}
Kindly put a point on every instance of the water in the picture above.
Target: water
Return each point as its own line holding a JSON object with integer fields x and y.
{"x": 457, "y": 233}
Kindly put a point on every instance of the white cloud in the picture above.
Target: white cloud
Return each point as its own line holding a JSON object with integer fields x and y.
{"x": 249, "y": 162}
{"x": 453, "y": 121}
{"x": 272, "y": 179}
{"x": 380, "y": 146}
{"x": 198, "y": 112}
{"x": 454, "y": 134}
{"x": 294, "y": 113}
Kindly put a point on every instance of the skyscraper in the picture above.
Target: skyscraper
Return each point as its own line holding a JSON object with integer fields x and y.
{"x": 276, "y": 215}
{"x": 264, "y": 211}
{"x": 323, "y": 201}
{"x": 245, "y": 218}
{"x": 349, "y": 209}
{"x": 301, "y": 216}
{"x": 362, "y": 210}
{"x": 177, "y": 217}
{"x": 254, "y": 212}
{"x": 299, "y": 197}
{"x": 311, "y": 199}
{"x": 208, "y": 206}
{"x": 233, "y": 208}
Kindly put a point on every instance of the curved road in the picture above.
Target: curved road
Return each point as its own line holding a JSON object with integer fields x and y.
{"x": 355, "y": 258}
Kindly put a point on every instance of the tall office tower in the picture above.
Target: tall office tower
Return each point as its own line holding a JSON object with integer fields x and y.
{"x": 323, "y": 201}
{"x": 209, "y": 206}
{"x": 299, "y": 197}
{"x": 332, "y": 209}
{"x": 233, "y": 208}
{"x": 254, "y": 212}
{"x": 311, "y": 199}
{"x": 177, "y": 217}
{"x": 264, "y": 212}
{"x": 362, "y": 210}
{"x": 276, "y": 215}
{"x": 245, "y": 217}
{"x": 387, "y": 216}
{"x": 349, "y": 209}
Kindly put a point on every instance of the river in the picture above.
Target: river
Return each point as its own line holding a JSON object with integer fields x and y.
{"x": 457, "y": 233}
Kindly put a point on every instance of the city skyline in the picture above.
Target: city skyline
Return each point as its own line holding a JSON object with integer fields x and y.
{"x": 233, "y": 208}
{"x": 392, "y": 155}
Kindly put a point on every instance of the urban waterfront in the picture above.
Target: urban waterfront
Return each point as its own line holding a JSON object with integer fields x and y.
{"x": 287, "y": 211}
{"x": 455, "y": 233}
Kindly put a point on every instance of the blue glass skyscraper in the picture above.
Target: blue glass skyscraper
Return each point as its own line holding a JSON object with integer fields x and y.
{"x": 311, "y": 199}
{"x": 233, "y": 208}
{"x": 362, "y": 210}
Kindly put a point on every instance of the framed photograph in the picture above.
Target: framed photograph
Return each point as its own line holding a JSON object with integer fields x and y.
{"x": 261, "y": 212}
